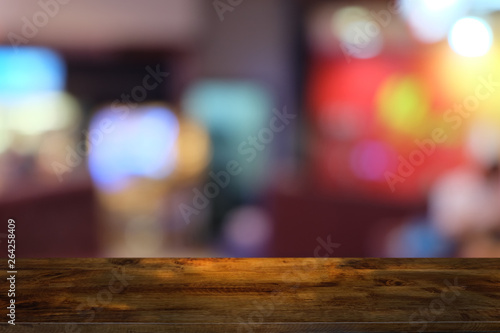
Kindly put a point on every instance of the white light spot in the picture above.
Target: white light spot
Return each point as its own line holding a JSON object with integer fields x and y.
{"x": 470, "y": 37}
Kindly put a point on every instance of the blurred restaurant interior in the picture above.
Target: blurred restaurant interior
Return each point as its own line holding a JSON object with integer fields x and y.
{"x": 250, "y": 128}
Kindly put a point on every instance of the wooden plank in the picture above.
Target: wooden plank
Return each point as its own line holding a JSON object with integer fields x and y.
{"x": 256, "y": 295}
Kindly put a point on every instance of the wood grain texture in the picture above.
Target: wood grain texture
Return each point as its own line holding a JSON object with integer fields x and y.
{"x": 255, "y": 295}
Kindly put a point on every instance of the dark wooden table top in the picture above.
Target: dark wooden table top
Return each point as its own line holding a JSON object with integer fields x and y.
{"x": 255, "y": 295}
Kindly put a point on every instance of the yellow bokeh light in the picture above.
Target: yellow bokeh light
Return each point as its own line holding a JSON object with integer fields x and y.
{"x": 403, "y": 105}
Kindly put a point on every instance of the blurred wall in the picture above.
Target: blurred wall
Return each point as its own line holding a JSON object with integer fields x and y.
{"x": 104, "y": 24}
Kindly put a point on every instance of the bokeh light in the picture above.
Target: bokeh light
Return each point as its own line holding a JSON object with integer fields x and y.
{"x": 430, "y": 20}
{"x": 140, "y": 145}
{"x": 47, "y": 112}
{"x": 403, "y": 104}
{"x": 247, "y": 230}
{"x": 470, "y": 37}
{"x": 417, "y": 239}
{"x": 371, "y": 159}
{"x": 29, "y": 70}
{"x": 483, "y": 141}
{"x": 232, "y": 111}
{"x": 360, "y": 36}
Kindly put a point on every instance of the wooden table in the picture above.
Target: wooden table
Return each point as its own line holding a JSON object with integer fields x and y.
{"x": 255, "y": 295}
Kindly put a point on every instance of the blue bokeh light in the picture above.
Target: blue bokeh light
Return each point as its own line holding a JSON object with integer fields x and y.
{"x": 140, "y": 145}
{"x": 29, "y": 70}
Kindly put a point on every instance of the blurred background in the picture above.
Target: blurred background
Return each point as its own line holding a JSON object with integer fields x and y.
{"x": 236, "y": 128}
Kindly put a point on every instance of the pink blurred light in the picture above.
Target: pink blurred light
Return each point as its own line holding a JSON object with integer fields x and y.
{"x": 371, "y": 159}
